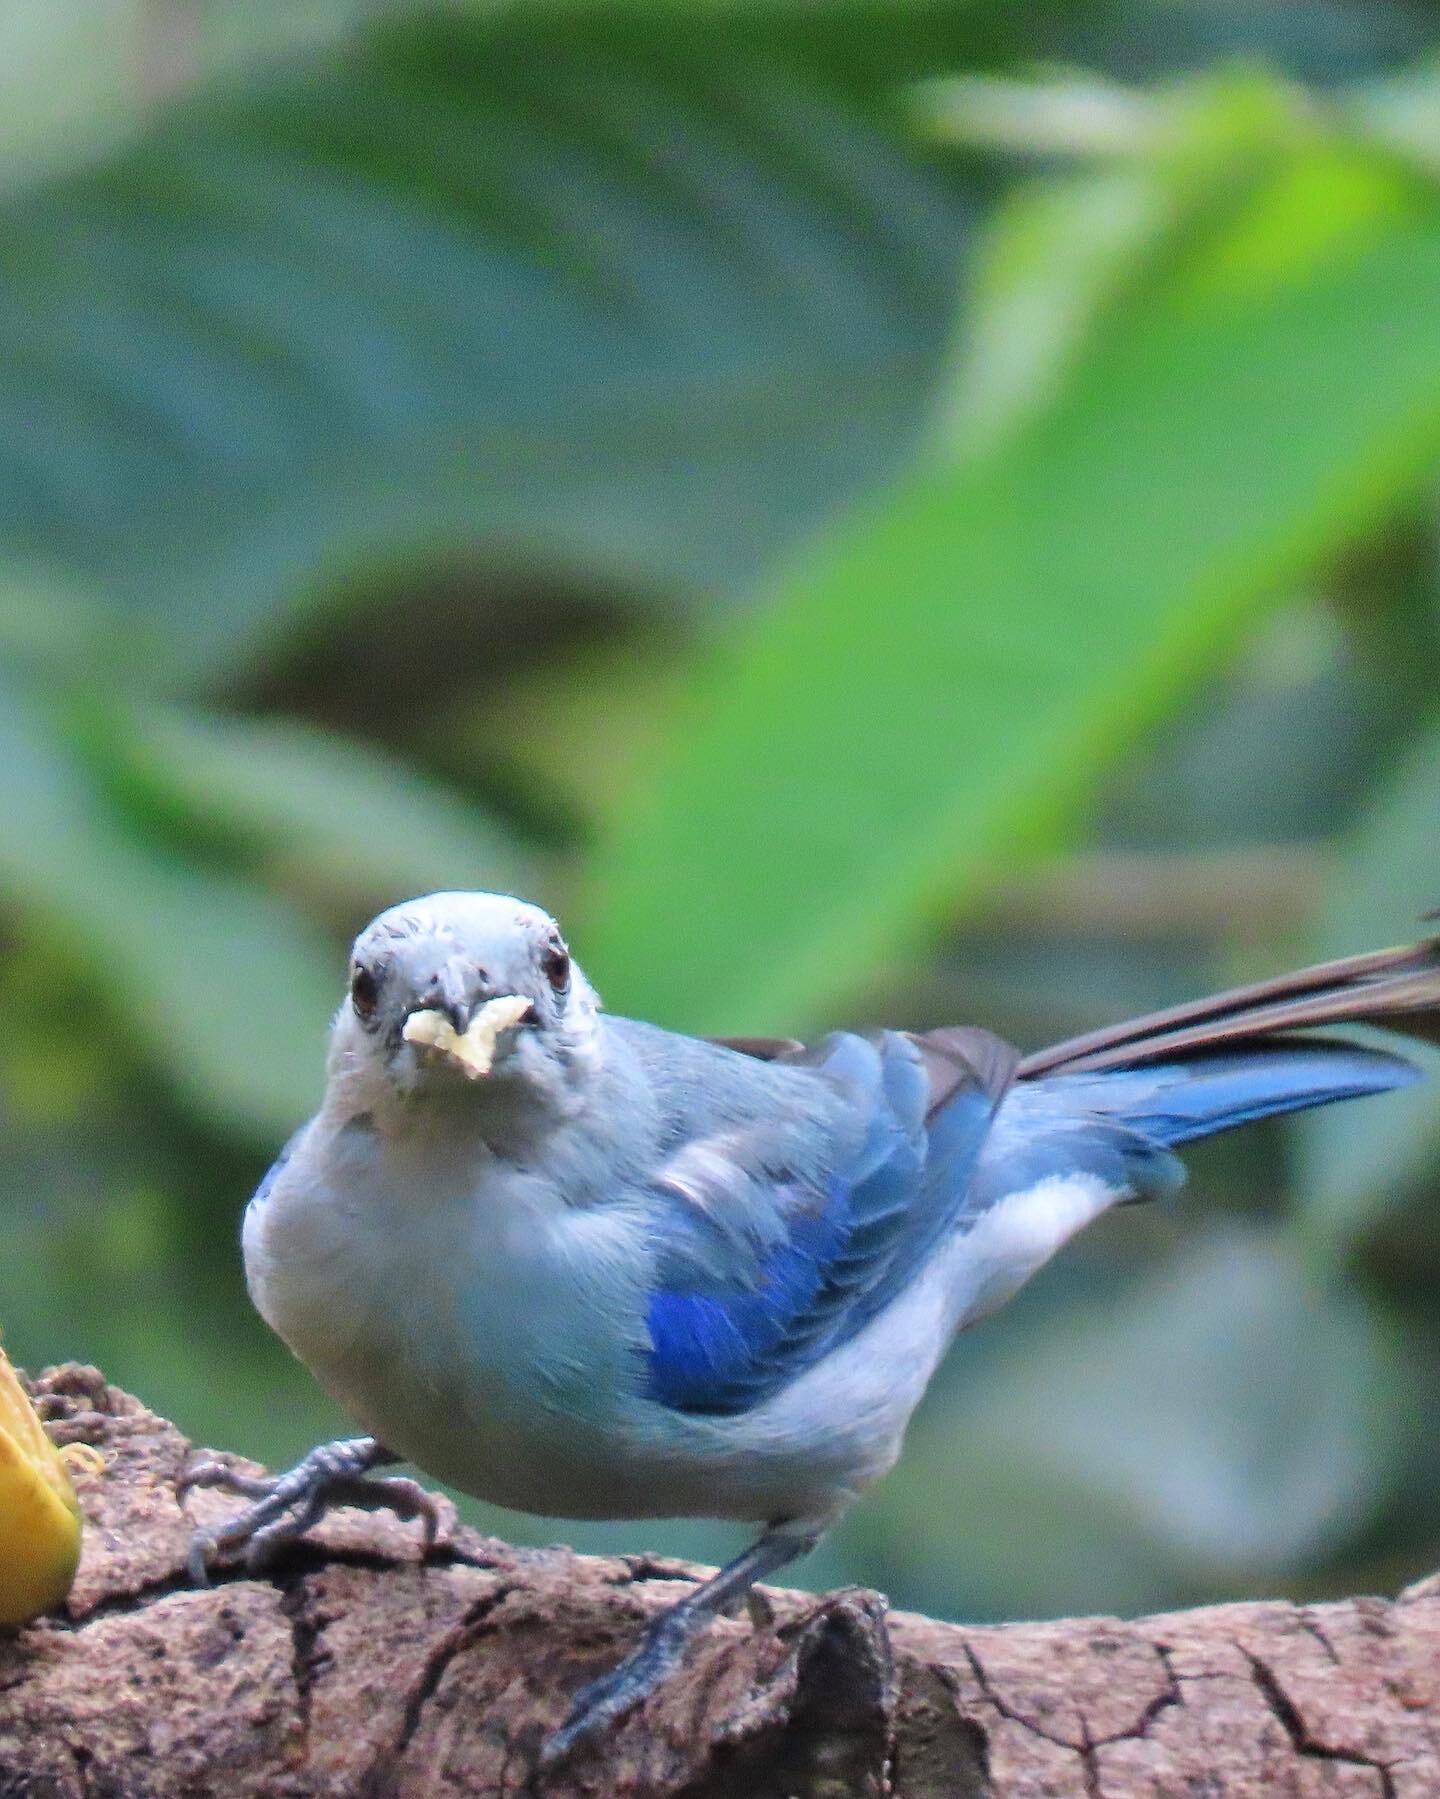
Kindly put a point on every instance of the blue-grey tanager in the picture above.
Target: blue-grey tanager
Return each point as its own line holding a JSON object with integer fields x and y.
{"x": 586, "y": 1267}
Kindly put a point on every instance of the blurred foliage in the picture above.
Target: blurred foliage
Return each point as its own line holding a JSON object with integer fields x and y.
{"x": 914, "y": 511}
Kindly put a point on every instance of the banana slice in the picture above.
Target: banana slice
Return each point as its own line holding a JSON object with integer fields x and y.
{"x": 39, "y": 1513}
{"x": 473, "y": 1052}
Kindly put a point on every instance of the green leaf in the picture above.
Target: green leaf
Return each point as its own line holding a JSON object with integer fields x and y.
{"x": 67, "y": 81}
{"x": 227, "y": 988}
{"x": 1357, "y": 1162}
{"x": 49, "y": 627}
{"x": 931, "y": 691}
{"x": 1234, "y": 182}
{"x": 331, "y": 817}
{"x": 1224, "y": 1422}
{"x": 562, "y": 293}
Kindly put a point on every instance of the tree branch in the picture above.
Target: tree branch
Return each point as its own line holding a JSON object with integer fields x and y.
{"x": 359, "y": 1670}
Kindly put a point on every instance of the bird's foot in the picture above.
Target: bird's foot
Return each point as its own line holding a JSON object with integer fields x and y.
{"x": 606, "y": 1700}
{"x": 286, "y": 1505}
{"x": 662, "y": 1649}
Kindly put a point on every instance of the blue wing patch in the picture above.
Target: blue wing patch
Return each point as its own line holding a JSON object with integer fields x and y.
{"x": 746, "y": 1300}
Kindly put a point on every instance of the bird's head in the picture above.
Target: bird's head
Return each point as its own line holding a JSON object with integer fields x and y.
{"x": 464, "y": 991}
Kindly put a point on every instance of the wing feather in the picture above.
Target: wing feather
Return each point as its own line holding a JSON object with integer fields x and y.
{"x": 766, "y": 1269}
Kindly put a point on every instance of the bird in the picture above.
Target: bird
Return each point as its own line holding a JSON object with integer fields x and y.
{"x": 586, "y": 1267}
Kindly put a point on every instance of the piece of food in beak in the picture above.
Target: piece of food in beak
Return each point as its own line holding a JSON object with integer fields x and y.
{"x": 472, "y": 1051}
{"x": 39, "y": 1513}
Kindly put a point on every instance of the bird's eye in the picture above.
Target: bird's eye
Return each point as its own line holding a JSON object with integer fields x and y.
{"x": 364, "y": 990}
{"x": 555, "y": 960}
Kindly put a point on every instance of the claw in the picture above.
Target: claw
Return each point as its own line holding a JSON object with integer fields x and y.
{"x": 287, "y": 1505}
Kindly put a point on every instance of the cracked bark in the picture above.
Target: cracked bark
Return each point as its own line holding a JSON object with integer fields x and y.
{"x": 359, "y": 1669}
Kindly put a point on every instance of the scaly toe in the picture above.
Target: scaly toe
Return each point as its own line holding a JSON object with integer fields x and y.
{"x": 214, "y": 1473}
{"x": 197, "y": 1560}
{"x": 604, "y": 1702}
{"x": 285, "y": 1506}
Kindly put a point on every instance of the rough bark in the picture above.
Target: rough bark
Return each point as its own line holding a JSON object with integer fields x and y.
{"x": 358, "y": 1669}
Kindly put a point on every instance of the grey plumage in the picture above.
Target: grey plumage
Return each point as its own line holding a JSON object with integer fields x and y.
{"x": 629, "y": 1273}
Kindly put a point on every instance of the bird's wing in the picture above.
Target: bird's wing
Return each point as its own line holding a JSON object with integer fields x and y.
{"x": 765, "y": 1269}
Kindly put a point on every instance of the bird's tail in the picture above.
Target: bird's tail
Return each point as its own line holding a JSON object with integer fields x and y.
{"x": 1395, "y": 989}
{"x": 1174, "y": 1102}
{"x": 1203, "y": 1067}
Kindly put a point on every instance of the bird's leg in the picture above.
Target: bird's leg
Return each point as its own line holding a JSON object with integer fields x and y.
{"x": 662, "y": 1648}
{"x": 286, "y": 1505}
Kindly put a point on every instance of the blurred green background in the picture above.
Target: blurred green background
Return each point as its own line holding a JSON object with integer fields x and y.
{"x": 899, "y": 511}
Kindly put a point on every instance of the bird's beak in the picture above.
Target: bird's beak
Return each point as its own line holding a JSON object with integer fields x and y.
{"x": 473, "y": 1049}
{"x": 450, "y": 993}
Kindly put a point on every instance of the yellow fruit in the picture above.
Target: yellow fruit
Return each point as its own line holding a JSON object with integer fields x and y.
{"x": 39, "y": 1513}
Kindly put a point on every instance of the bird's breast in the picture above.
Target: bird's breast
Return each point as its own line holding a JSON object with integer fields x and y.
{"x": 495, "y": 1336}
{"x": 469, "y": 1319}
